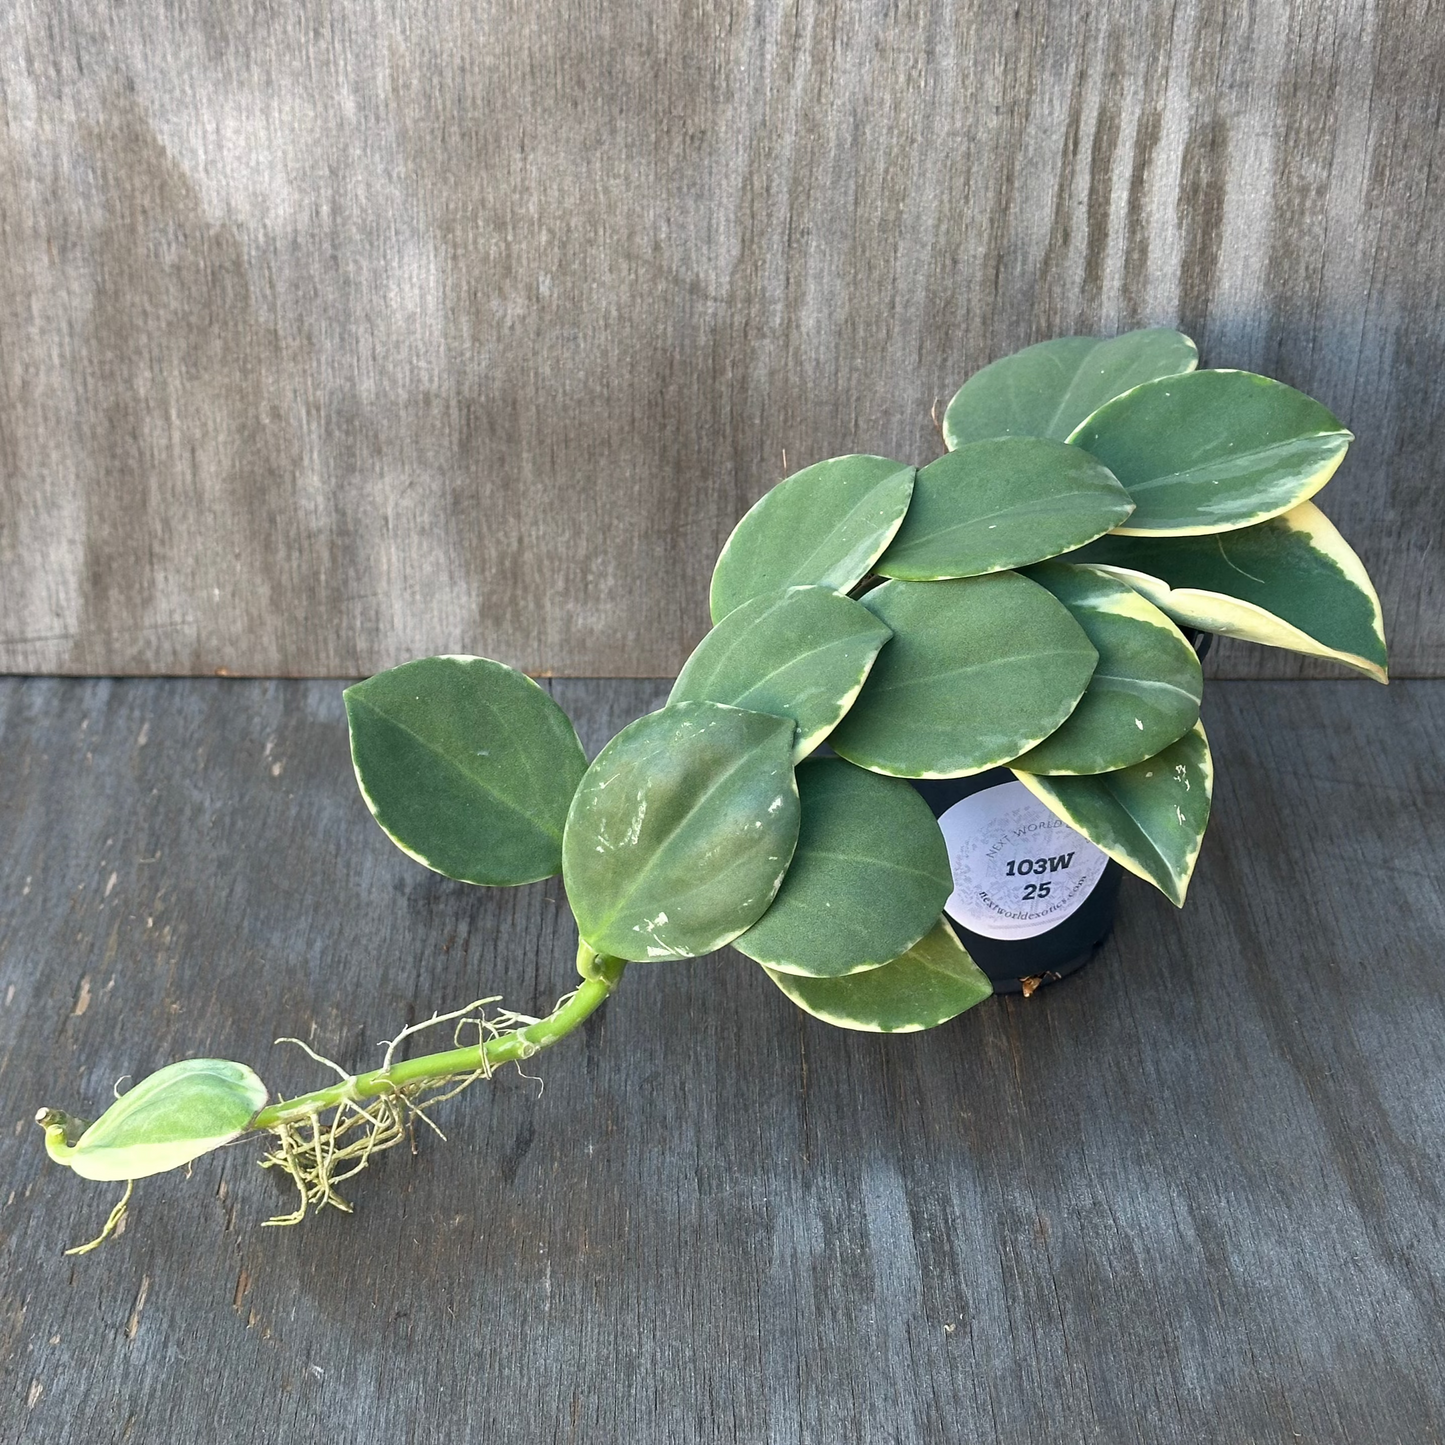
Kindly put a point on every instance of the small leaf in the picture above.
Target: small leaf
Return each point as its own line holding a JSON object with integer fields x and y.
{"x": 933, "y": 982}
{"x": 1048, "y": 389}
{"x": 1150, "y": 818}
{"x": 868, "y": 879}
{"x": 681, "y": 831}
{"x": 1145, "y": 691}
{"x": 173, "y": 1116}
{"x": 979, "y": 671}
{"x": 801, "y": 654}
{"x": 1290, "y": 582}
{"x": 825, "y": 526}
{"x": 1003, "y": 503}
{"x": 467, "y": 765}
{"x": 1213, "y": 451}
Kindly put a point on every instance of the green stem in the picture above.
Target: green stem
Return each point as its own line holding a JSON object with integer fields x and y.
{"x": 600, "y": 974}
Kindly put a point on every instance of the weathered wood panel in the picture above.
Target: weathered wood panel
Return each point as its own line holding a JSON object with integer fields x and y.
{"x": 1192, "y": 1194}
{"x": 333, "y": 334}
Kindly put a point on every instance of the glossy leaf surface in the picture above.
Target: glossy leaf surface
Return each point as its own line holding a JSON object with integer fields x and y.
{"x": 802, "y": 653}
{"x": 933, "y": 982}
{"x": 172, "y": 1116}
{"x": 468, "y": 765}
{"x": 1145, "y": 690}
{"x": 1150, "y": 818}
{"x": 1048, "y": 389}
{"x": 1003, "y": 503}
{"x": 826, "y": 525}
{"x": 1214, "y": 450}
{"x": 979, "y": 671}
{"x": 681, "y": 831}
{"x": 1290, "y": 582}
{"x": 868, "y": 880}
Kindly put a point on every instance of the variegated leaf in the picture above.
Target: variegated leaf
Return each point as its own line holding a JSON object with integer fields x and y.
{"x": 1145, "y": 690}
{"x": 933, "y": 982}
{"x": 1213, "y": 450}
{"x": 802, "y": 653}
{"x": 1290, "y": 582}
{"x": 1150, "y": 818}
{"x": 1048, "y": 389}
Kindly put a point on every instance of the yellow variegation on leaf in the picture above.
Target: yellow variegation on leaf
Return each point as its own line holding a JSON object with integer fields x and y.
{"x": 1149, "y": 818}
{"x": 1291, "y": 582}
{"x": 171, "y": 1117}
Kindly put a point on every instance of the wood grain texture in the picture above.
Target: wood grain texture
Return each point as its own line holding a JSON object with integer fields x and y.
{"x": 1191, "y": 1195}
{"x": 333, "y": 335}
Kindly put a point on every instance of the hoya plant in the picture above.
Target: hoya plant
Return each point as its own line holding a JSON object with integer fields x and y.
{"x": 1018, "y": 602}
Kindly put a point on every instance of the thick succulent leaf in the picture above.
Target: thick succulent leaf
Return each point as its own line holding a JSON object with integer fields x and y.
{"x": 1290, "y": 582}
{"x": 979, "y": 670}
{"x": 172, "y": 1116}
{"x": 802, "y": 653}
{"x": 1214, "y": 450}
{"x": 1048, "y": 389}
{"x": 1145, "y": 690}
{"x": 468, "y": 766}
{"x": 933, "y": 982}
{"x": 868, "y": 880}
{"x": 826, "y": 525}
{"x": 1003, "y": 503}
{"x": 681, "y": 831}
{"x": 1150, "y": 818}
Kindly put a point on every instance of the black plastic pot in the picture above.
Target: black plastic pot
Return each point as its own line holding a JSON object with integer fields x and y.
{"x": 996, "y": 909}
{"x": 1032, "y": 898}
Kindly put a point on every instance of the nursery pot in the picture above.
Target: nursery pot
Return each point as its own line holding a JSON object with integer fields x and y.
{"x": 1032, "y": 899}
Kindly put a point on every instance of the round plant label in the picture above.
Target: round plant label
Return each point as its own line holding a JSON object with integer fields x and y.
{"x": 1018, "y": 871}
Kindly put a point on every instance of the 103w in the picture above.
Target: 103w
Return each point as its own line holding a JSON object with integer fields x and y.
{"x": 1022, "y": 867}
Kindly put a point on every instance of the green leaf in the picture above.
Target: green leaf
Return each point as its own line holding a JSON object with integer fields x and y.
{"x": 173, "y": 1116}
{"x": 868, "y": 880}
{"x": 801, "y": 654}
{"x": 1002, "y": 503}
{"x": 933, "y": 982}
{"x": 1048, "y": 389}
{"x": 979, "y": 670}
{"x": 681, "y": 831}
{"x": 1290, "y": 582}
{"x": 1213, "y": 451}
{"x": 1145, "y": 691}
{"x": 467, "y": 765}
{"x": 1150, "y": 818}
{"x": 826, "y": 525}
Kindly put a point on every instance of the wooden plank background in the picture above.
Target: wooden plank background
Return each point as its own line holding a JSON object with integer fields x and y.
{"x": 336, "y": 333}
{"x": 1191, "y": 1196}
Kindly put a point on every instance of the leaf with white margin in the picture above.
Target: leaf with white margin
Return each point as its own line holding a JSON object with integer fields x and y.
{"x": 803, "y": 653}
{"x": 1214, "y": 450}
{"x": 1145, "y": 690}
{"x": 979, "y": 670}
{"x": 825, "y": 525}
{"x": 1048, "y": 389}
{"x": 869, "y": 878}
{"x": 933, "y": 982}
{"x": 1150, "y": 818}
{"x": 468, "y": 765}
{"x": 681, "y": 831}
{"x": 168, "y": 1119}
{"x": 1290, "y": 582}
{"x": 1002, "y": 503}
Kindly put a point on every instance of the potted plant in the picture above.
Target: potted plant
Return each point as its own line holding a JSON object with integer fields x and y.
{"x": 938, "y": 706}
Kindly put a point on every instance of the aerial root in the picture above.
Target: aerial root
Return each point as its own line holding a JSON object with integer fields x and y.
{"x": 329, "y": 1146}
{"x": 111, "y": 1224}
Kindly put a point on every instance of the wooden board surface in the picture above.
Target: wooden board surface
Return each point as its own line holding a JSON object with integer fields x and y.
{"x": 1192, "y": 1194}
{"x": 333, "y": 335}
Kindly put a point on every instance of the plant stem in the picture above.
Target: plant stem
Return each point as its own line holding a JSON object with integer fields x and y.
{"x": 599, "y": 977}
